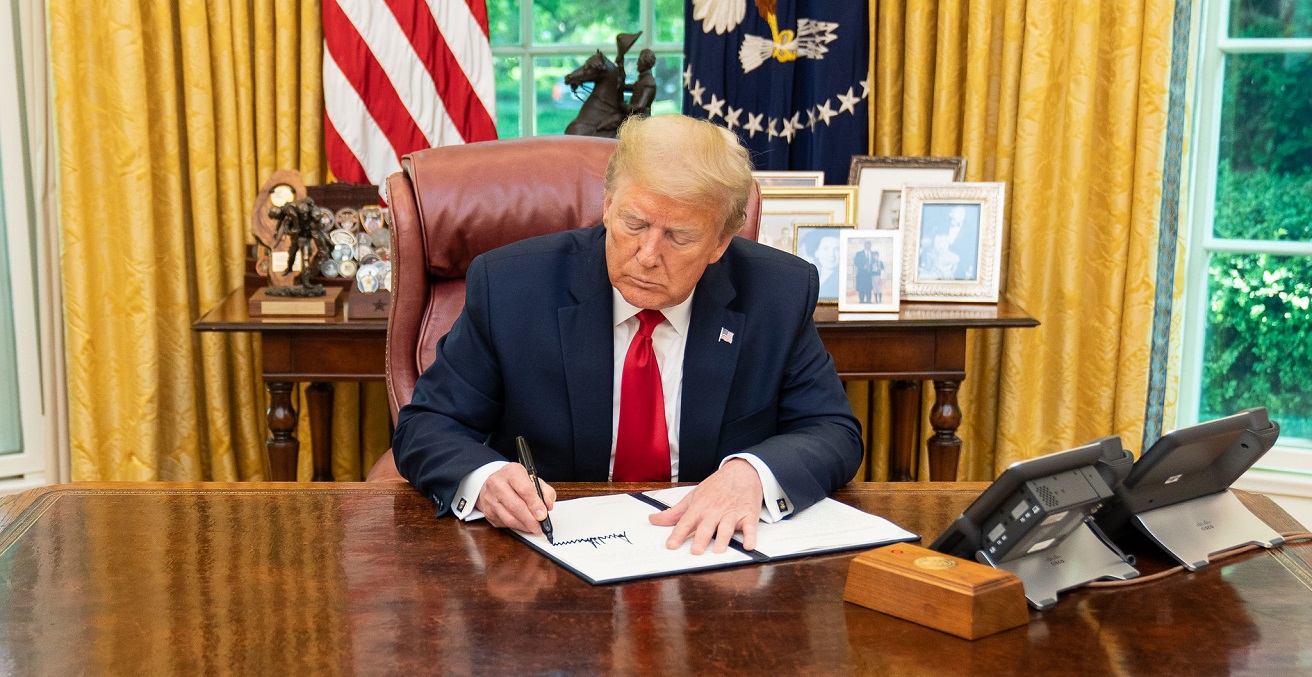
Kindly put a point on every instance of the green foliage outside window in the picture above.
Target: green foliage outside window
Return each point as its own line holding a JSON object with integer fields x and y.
{"x": 1258, "y": 346}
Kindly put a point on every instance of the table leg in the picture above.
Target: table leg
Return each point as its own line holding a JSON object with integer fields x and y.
{"x": 319, "y": 397}
{"x": 282, "y": 445}
{"x": 944, "y": 446}
{"x": 904, "y": 399}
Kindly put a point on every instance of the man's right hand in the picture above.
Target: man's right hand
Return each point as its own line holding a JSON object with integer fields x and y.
{"x": 508, "y": 499}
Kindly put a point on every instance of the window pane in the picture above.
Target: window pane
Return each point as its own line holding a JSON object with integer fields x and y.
{"x": 1258, "y": 341}
{"x": 1264, "y": 178}
{"x": 557, "y": 104}
{"x": 582, "y": 22}
{"x": 11, "y": 430}
{"x": 503, "y": 21}
{"x": 669, "y": 84}
{"x": 1270, "y": 18}
{"x": 508, "y": 75}
{"x": 669, "y": 21}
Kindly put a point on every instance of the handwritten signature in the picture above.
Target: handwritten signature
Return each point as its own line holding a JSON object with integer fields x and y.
{"x": 595, "y": 541}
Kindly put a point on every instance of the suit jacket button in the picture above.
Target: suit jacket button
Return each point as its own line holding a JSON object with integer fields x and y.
{"x": 438, "y": 501}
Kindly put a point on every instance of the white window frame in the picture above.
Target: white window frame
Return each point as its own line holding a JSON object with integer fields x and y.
{"x": 28, "y": 466}
{"x": 1290, "y": 462}
{"x": 526, "y": 49}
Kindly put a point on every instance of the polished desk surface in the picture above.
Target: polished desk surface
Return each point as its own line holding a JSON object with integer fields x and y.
{"x": 361, "y": 578}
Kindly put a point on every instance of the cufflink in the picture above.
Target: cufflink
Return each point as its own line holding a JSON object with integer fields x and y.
{"x": 783, "y": 505}
{"x": 460, "y": 507}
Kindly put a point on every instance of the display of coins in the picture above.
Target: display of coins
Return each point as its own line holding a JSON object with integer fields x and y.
{"x": 385, "y": 275}
{"x": 347, "y": 268}
{"x": 343, "y": 252}
{"x": 329, "y": 268}
{"x": 348, "y": 219}
{"x": 363, "y": 238}
{"x": 363, "y": 250}
{"x": 370, "y": 260}
{"x": 371, "y": 218}
{"x": 381, "y": 238}
{"x": 383, "y": 253}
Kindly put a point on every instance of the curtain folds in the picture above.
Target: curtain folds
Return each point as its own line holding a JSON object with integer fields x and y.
{"x": 170, "y": 116}
{"x": 1066, "y": 103}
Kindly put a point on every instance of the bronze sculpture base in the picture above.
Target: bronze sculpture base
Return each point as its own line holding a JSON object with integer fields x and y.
{"x": 298, "y": 291}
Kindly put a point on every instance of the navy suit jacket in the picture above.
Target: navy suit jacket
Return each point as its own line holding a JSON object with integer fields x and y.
{"x": 531, "y": 354}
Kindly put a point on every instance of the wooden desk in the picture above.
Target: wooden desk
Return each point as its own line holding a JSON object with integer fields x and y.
{"x": 330, "y": 579}
{"x": 925, "y": 341}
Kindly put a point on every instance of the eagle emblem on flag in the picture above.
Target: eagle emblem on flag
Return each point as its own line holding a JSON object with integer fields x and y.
{"x": 790, "y": 78}
{"x": 810, "y": 40}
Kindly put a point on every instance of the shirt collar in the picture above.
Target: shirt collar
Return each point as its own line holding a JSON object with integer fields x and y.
{"x": 678, "y": 316}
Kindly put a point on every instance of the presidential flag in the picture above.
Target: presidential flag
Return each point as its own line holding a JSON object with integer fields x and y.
{"x": 790, "y": 77}
{"x": 402, "y": 75}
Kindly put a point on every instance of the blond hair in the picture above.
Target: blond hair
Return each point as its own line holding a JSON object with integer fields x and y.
{"x": 688, "y": 160}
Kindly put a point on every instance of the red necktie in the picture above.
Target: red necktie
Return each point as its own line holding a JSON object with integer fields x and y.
{"x": 642, "y": 445}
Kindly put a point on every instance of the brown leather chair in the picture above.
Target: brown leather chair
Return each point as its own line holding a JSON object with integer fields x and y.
{"x": 453, "y": 203}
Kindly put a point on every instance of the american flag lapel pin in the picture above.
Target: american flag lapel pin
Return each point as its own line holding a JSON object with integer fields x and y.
{"x": 726, "y": 335}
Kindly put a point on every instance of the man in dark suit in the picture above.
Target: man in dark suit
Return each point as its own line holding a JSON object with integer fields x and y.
{"x": 561, "y": 337}
{"x": 863, "y": 262}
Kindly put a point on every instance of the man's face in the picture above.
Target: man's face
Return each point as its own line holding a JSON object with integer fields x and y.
{"x": 656, "y": 248}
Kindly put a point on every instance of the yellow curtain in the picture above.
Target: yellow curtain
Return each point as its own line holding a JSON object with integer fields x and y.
{"x": 170, "y": 116}
{"x": 1066, "y": 103}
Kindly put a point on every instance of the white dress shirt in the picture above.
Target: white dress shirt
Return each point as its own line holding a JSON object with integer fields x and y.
{"x": 668, "y": 341}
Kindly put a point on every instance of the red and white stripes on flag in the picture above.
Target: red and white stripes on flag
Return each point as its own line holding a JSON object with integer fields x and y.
{"x": 401, "y": 75}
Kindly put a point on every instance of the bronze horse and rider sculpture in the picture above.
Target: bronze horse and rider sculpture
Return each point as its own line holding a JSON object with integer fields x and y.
{"x": 605, "y": 108}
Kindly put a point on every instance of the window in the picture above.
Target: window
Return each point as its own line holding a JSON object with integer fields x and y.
{"x": 1248, "y": 324}
{"x": 22, "y": 417}
{"x": 535, "y": 43}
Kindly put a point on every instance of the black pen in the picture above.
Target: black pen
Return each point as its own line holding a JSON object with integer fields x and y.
{"x": 526, "y": 460}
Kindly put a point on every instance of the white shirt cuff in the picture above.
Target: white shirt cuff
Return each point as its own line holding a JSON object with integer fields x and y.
{"x": 462, "y": 504}
{"x": 776, "y": 506}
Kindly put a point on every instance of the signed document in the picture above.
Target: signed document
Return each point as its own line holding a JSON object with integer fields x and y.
{"x": 607, "y": 539}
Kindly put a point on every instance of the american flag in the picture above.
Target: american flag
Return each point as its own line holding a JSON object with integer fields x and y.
{"x": 402, "y": 75}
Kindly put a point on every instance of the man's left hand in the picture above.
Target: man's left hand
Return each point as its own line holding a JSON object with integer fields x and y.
{"x": 727, "y": 501}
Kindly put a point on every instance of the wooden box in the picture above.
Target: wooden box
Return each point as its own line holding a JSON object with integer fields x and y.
{"x": 368, "y": 305}
{"x": 261, "y": 304}
{"x": 946, "y": 593}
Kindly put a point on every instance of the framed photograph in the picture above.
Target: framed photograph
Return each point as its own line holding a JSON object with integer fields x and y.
{"x": 871, "y": 270}
{"x": 776, "y": 228}
{"x": 789, "y": 179}
{"x": 839, "y": 202}
{"x": 818, "y": 244}
{"x": 953, "y": 236}
{"x": 879, "y": 182}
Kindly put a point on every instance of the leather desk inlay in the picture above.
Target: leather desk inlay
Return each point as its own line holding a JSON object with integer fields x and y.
{"x": 330, "y": 579}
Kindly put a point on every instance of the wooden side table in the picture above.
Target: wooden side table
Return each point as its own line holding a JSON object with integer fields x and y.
{"x": 925, "y": 341}
{"x": 318, "y": 350}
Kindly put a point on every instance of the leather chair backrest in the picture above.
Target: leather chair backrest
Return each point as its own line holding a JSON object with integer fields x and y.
{"x": 451, "y": 204}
